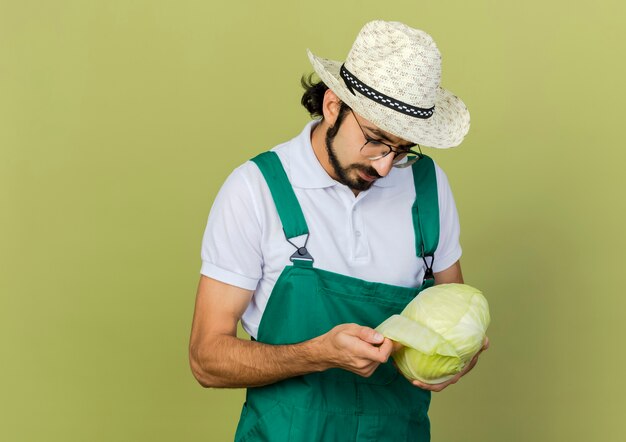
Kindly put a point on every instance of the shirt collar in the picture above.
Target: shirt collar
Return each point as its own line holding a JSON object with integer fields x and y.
{"x": 305, "y": 171}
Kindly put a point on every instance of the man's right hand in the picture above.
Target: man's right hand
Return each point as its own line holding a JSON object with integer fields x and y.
{"x": 355, "y": 348}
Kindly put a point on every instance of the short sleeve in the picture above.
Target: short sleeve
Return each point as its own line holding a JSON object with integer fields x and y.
{"x": 449, "y": 249}
{"x": 231, "y": 245}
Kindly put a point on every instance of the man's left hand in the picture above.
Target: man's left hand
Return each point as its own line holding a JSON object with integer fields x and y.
{"x": 455, "y": 379}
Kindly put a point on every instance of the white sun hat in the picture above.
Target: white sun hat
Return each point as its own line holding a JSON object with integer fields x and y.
{"x": 391, "y": 77}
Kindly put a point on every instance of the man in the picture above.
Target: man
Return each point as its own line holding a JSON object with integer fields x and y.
{"x": 315, "y": 243}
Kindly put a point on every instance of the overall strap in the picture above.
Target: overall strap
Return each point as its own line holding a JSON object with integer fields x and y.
{"x": 286, "y": 202}
{"x": 425, "y": 213}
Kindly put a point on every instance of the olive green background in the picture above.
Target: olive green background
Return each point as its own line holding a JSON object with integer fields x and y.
{"x": 119, "y": 120}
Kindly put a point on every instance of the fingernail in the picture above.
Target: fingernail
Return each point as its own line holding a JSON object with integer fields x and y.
{"x": 378, "y": 336}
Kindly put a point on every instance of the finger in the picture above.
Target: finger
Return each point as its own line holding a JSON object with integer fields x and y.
{"x": 421, "y": 385}
{"x": 430, "y": 387}
{"x": 385, "y": 350}
{"x": 468, "y": 367}
{"x": 374, "y": 353}
{"x": 395, "y": 346}
{"x": 369, "y": 369}
{"x": 475, "y": 358}
{"x": 370, "y": 335}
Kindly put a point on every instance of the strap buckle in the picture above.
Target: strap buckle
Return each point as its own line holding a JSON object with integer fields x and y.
{"x": 301, "y": 253}
{"x": 428, "y": 274}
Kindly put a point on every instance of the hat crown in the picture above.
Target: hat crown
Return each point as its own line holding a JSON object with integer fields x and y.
{"x": 391, "y": 77}
{"x": 397, "y": 60}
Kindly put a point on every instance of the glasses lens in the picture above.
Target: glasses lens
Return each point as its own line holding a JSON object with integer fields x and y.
{"x": 410, "y": 161}
{"x": 374, "y": 150}
{"x": 399, "y": 157}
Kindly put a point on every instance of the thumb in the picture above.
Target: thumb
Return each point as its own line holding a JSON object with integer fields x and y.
{"x": 370, "y": 335}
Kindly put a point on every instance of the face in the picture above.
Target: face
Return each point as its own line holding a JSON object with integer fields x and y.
{"x": 355, "y": 175}
{"x": 343, "y": 144}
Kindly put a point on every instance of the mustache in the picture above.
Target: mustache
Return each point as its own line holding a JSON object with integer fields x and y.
{"x": 366, "y": 170}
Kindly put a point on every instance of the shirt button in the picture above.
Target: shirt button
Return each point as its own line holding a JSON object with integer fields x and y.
{"x": 357, "y": 233}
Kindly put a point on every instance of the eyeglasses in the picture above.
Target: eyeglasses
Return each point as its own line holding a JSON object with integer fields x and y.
{"x": 376, "y": 149}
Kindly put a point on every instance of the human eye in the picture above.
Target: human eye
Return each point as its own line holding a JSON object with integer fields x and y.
{"x": 374, "y": 142}
{"x": 400, "y": 154}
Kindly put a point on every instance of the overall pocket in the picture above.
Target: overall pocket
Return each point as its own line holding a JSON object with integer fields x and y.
{"x": 268, "y": 421}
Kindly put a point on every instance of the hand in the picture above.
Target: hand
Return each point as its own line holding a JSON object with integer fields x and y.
{"x": 356, "y": 348}
{"x": 455, "y": 379}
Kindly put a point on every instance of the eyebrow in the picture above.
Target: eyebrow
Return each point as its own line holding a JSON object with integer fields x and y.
{"x": 380, "y": 134}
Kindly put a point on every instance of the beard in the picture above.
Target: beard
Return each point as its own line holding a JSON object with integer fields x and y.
{"x": 344, "y": 173}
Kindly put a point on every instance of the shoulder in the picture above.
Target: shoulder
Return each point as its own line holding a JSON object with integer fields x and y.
{"x": 442, "y": 177}
{"x": 245, "y": 190}
{"x": 249, "y": 172}
{"x": 244, "y": 180}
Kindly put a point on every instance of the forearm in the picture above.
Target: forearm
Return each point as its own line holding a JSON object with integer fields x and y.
{"x": 227, "y": 361}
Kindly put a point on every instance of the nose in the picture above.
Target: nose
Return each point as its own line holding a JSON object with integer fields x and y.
{"x": 383, "y": 165}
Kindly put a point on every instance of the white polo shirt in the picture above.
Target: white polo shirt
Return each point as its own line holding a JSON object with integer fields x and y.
{"x": 368, "y": 237}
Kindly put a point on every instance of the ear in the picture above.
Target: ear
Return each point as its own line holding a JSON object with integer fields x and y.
{"x": 331, "y": 107}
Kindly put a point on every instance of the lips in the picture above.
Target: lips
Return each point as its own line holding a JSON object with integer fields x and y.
{"x": 366, "y": 177}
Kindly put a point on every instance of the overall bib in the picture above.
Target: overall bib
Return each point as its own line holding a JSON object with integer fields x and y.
{"x": 337, "y": 405}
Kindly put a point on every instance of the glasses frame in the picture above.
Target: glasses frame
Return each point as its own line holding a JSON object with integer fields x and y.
{"x": 410, "y": 159}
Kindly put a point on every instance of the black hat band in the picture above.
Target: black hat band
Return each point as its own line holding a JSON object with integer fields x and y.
{"x": 354, "y": 83}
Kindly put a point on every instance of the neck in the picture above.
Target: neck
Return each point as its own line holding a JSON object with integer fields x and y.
{"x": 318, "y": 141}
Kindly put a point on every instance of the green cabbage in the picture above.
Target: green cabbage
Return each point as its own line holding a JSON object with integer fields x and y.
{"x": 440, "y": 330}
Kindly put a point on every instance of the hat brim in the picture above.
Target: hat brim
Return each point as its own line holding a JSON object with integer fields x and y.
{"x": 446, "y": 128}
